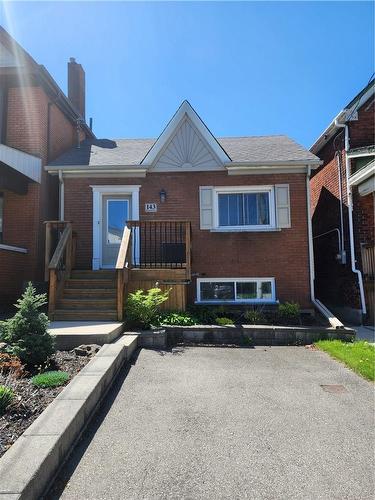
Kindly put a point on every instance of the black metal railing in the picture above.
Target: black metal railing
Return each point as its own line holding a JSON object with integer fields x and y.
{"x": 160, "y": 244}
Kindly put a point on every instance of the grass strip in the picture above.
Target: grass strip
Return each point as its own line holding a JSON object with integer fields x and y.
{"x": 359, "y": 356}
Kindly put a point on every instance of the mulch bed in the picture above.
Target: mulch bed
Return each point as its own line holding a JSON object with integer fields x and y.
{"x": 30, "y": 401}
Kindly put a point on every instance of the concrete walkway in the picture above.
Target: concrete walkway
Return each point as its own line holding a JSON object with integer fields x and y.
{"x": 215, "y": 423}
{"x": 69, "y": 334}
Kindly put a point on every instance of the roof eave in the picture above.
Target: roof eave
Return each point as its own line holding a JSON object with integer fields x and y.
{"x": 54, "y": 169}
{"x": 270, "y": 164}
{"x": 332, "y": 128}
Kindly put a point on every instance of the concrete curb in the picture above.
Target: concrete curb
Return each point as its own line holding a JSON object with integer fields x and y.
{"x": 28, "y": 467}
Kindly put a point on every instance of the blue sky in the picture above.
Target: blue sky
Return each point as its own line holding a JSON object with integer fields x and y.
{"x": 249, "y": 68}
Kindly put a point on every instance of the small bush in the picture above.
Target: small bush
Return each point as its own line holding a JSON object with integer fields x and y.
{"x": 178, "y": 319}
{"x": 224, "y": 321}
{"x": 289, "y": 313}
{"x": 254, "y": 317}
{"x": 50, "y": 379}
{"x": 6, "y": 396}
{"x": 205, "y": 315}
{"x": 142, "y": 308}
{"x": 26, "y": 334}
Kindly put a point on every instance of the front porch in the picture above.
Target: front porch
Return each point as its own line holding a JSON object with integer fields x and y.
{"x": 149, "y": 252}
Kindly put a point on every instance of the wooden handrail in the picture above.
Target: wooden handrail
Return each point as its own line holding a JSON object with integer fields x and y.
{"x": 60, "y": 266}
{"x": 124, "y": 247}
{"x": 122, "y": 270}
{"x": 63, "y": 242}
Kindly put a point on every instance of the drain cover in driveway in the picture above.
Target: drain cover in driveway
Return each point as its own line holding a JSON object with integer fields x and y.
{"x": 334, "y": 389}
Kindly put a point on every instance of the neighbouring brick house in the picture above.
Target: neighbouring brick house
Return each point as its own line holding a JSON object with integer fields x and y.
{"x": 342, "y": 192}
{"x": 235, "y": 210}
{"x": 37, "y": 124}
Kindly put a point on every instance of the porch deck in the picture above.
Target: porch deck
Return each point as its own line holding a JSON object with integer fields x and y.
{"x": 150, "y": 252}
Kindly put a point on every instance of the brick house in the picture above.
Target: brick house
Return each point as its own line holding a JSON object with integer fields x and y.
{"x": 37, "y": 124}
{"x": 220, "y": 220}
{"x": 342, "y": 198}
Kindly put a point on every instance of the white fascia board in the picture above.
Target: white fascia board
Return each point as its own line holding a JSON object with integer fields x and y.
{"x": 89, "y": 170}
{"x": 362, "y": 174}
{"x": 165, "y": 136}
{"x": 282, "y": 168}
{"x": 26, "y": 164}
{"x": 361, "y": 155}
{"x": 326, "y": 135}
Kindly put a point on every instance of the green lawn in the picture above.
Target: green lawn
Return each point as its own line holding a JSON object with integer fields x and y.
{"x": 359, "y": 356}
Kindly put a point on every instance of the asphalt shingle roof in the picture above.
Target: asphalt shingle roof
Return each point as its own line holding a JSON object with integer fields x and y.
{"x": 101, "y": 152}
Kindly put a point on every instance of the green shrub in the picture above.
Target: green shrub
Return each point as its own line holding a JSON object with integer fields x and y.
{"x": 6, "y": 396}
{"x": 50, "y": 379}
{"x": 205, "y": 315}
{"x": 224, "y": 321}
{"x": 26, "y": 334}
{"x": 254, "y": 316}
{"x": 178, "y": 319}
{"x": 289, "y": 312}
{"x": 142, "y": 308}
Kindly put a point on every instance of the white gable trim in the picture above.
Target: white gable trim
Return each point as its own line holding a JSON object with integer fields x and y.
{"x": 171, "y": 128}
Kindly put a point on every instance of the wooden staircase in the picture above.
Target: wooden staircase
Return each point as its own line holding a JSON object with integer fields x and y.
{"x": 88, "y": 295}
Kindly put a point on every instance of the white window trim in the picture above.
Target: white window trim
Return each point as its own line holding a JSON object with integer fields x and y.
{"x": 272, "y": 300}
{"x": 244, "y": 189}
{"x": 97, "y": 214}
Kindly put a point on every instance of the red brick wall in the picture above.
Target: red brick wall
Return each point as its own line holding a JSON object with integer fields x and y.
{"x": 335, "y": 283}
{"x": 27, "y": 123}
{"x": 282, "y": 254}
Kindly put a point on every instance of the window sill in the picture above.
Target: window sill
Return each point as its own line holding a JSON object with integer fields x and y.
{"x": 11, "y": 248}
{"x": 245, "y": 230}
{"x": 237, "y": 302}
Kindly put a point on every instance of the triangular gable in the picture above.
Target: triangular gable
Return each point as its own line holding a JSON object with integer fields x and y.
{"x": 186, "y": 144}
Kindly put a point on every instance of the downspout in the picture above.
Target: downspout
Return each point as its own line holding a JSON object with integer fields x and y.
{"x": 342, "y": 245}
{"x": 334, "y": 322}
{"x": 350, "y": 213}
{"x": 61, "y": 196}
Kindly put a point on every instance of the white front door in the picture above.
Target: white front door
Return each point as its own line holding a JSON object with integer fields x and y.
{"x": 116, "y": 211}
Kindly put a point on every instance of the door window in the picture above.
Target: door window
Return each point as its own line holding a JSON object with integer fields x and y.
{"x": 117, "y": 215}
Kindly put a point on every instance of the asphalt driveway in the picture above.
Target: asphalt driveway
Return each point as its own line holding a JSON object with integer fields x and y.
{"x": 215, "y": 423}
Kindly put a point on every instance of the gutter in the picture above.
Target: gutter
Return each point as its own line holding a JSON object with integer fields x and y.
{"x": 333, "y": 321}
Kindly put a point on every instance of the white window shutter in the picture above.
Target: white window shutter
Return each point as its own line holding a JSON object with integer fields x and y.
{"x": 282, "y": 205}
{"x": 206, "y": 207}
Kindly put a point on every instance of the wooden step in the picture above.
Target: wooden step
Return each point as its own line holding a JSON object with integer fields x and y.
{"x": 89, "y": 274}
{"x": 90, "y": 283}
{"x": 100, "y": 293}
{"x": 84, "y": 315}
{"x": 87, "y": 303}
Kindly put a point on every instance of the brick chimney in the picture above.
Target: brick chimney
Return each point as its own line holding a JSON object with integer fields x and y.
{"x": 76, "y": 86}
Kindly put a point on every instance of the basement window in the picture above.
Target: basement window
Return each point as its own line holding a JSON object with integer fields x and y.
{"x": 236, "y": 290}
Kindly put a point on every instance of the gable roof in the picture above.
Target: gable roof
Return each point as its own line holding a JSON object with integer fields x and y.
{"x": 255, "y": 150}
{"x": 344, "y": 116}
{"x": 185, "y": 110}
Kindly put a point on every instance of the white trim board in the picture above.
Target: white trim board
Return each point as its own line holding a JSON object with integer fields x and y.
{"x": 97, "y": 209}
{"x": 184, "y": 110}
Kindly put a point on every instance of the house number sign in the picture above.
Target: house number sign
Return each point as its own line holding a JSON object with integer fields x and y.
{"x": 151, "y": 207}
